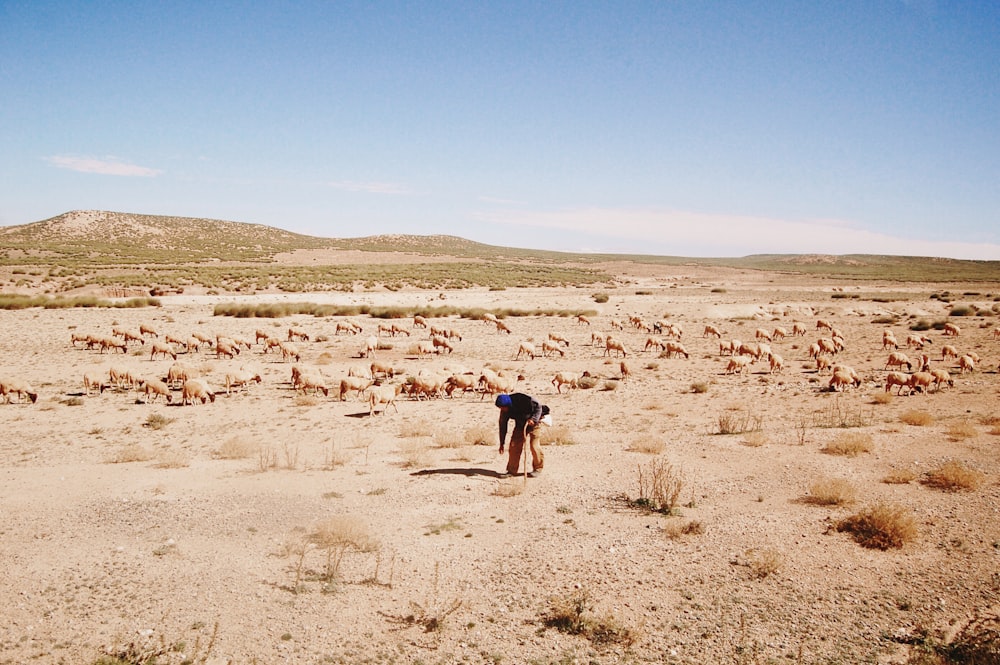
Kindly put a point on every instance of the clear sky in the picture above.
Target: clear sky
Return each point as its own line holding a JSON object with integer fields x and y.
{"x": 693, "y": 128}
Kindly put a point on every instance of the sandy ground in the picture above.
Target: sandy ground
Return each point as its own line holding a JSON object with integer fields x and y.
{"x": 214, "y": 558}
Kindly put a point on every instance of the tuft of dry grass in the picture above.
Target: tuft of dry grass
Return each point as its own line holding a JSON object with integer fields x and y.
{"x": 882, "y": 398}
{"x": 448, "y": 439}
{"x": 237, "y": 448}
{"x": 917, "y": 418}
{"x": 172, "y": 459}
{"x": 572, "y": 614}
{"x": 699, "y": 387}
{"x": 157, "y": 421}
{"x": 675, "y": 530}
{"x": 660, "y": 486}
{"x": 881, "y": 526}
{"x": 415, "y": 428}
{"x": 480, "y": 435}
{"x": 831, "y": 492}
{"x": 509, "y": 489}
{"x": 558, "y": 435}
{"x": 963, "y": 429}
{"x": 764, "y": 563}
{"x": 586, "y": 382}
{"x": 849, "y": 444}
{"x": 899, "y": 477}
{"x": 647, "y": 443}
{"x": 609, "y": 385}
{"x": 738, "y": 421}
{"x": 132, "y": 452}
{"x": 415, "y": 453}
{"x": 755, "y": 439}
{"x": 954, "y": 476}
{"x": 306, "y": 400}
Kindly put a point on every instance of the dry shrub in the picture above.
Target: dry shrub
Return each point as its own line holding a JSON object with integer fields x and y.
{"x": 448, "y": 439}
{"x": 660, "y": 487}
{"x": 480, "y": 435}
{"x": 647, "y": 443}
{"x": 157, "y": 421}
{"x": 335, "y": 457}
{"x": 237, "y": 448}
{"x": 764, "y": 563}
{"x": 558, "y": 435}
{"x": 755, "y": 439}
{"x": 831, "y": 492}
{"x": 172, "y": 459}
{"x": 977, "y": 643}
{"x": 572, "y": 614}
{"x": 416, "y": 428}
{"x": 674, "y": 530}
{"x": 900, "y": 477}
{"x": 132, "y": 452}
{"x": 963, "y": 429}
{"x": 586, "y": 382}
{"x": 881, "y": 526}
{"x": 415, "y": 453}
{"x": 609, "y": 385}
{"x": 737, "y": 421}
{"x": 338, "y": 535}
{"x": 954, "y": 476}
{"x": 509, "y": 489}
{"x": 699, "y": 387}
{"x": 917, "y": 418}
{"x": 325, "y": 358}
{"x": 306, "y": 400}
{"x": 850, "y": 444}
{"x": 882, "y": 398}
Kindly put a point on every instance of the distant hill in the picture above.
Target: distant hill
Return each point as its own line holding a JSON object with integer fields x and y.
{"x": 102, "y": 238}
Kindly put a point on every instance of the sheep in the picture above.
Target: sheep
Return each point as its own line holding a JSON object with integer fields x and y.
{"x": 177, "y": 341}
{"x": 112, "y": 344}
{"x": 130, "y": 336}
{"x": 673, "y": 330}
{"x": 92, "y": 380}
{"x": 203, "y": 339}
{"x": 760, "y": 333}
{"x": 441, "y": 343}
{"x": 898, "y": 359}
{"x": 355, "y": 383}
{"x": 549, "y": 347}
{"x": 776, "y": 362}
{"x": 489, "y": 318}
{"x": 426, "y": 347}
{"x": 345, "y": 326}
{"x": 370, "y": 347}
{"x": 260, "y": 336}
{"x": 996, "y": 333}
{"x": 920, "y": 381}
{"x": 437, "y": 332}
{"x": 814, "y": 350}
{"x": 821, "y": 323}
{"x": 272, "y": 343}
{"x": 147, "y": 329}
{"x": 617, "y": 325}
{"x": 948, "y": 350}
{"x": 502, "y": 327}
{"x": 561, "y": 379}
{"x": 419, "y": 322}
{"x": 121, "y": 377}
{"x": 463, "y": 382}
{"x": 381, "y": 369}
{"x": 951, "y": 330}
{"x": 88, "y": 340}
{"x": 829, "y": 345}
{"x": 841, "y": 379}
{"x": 527, "y": 349}
{"x": 312, "y": 379}
{"x": 396, "y": 329}
{"x": 822, "y": 362}
{"x": 241, "y": 378}
{"x": 749, "y": 349}
{"x": 917, "y": 341}
{"x": 897, "y": 379}
{"x": 492, "y": 383}
{"x": 17, "y": 387}
{"x": 671, "y": 348}
{"x": 624, "y": 370}
{"x": 225, "y": 348}
{"x": 612, "y": 344}
{"x": 738, "y": 364}
{"x": 559, "y": 339}
{"x": 195, "y": 389}
{"x": 426, "y": 384}
{"x": 798, "y": 330}
{"x": 583, "y": 320}
{"x": 178, "y": 373}
{"x": 889, "y": 339}
{"x": 763, "y": 351}
{"x": 712, "y": 330}
{"x": 655, "y": 343}
{"x": 942, "y": 376}
{"x": 779, "y": 333}
{"x": 386, "y": 328}
{"x": 925, "y": 362}
{"x": 383, "y": 395}
{"x": 966, "y": 363}
{"x": 596, "y": 339}
{"x": 155, "y": 387}
{"x": 836, "y": 334}
{"x": 727, "y": 348}
{"x": 163, "y": 349}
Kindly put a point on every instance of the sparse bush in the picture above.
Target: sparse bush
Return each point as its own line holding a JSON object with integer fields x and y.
{"x": 738, "y": 422}
{"x": 237, "y": 448}
{"x": 699, "y": 387}
{"x": 899, "y": 477}
{"x": 850, "y": 444}
{"x": 448, "y": 439}
{"x": 660, "y": 486}
{"x": 881, "y": 526}
{"x": 647, "y": 443}
{"x": 676, "y": 529}
{"x": 172, "y": 459}
{"x": 831, "y": 492}
{"x": 755, "y": 439}
{"x": 480, "y": 435}
{"x": 586, "y": 382}
{"x": 719, "y": 289}
{"x": 962, "y": 310}
{"x": 600, "y": 297}
{"x": 415, "y": 453}
{"x": 157, "y": 421}
{"x": 964, "y": 429}
{"x": 558, "y": 435}
{"x": 953, "y": 476}
{"x": 571, "y": 614}
{"x": 917, "y": 418}
{"x": 416, "y": 428}
{"x": 609, "y": 385}
{"x": 882, "y": 398}
{"x": 764, "y": 563}
{"x": 132, "y": 452}
{"x": 920, "y": 325}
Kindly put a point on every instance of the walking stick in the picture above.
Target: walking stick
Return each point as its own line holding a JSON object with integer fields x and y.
{"x": 524, "y": 453}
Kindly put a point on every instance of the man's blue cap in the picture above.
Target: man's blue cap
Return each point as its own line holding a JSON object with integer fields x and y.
{"x": 503, "y": 400}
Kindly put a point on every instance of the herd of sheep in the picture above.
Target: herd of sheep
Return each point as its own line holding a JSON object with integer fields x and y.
{"x": 378, "y": 383}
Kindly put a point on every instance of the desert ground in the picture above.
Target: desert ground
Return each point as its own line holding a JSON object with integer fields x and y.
{"x": 273, "y": 526}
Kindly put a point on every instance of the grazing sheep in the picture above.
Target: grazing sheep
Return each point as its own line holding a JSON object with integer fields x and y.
{"x": 464, "y": 382}
{"x": 763, "y": 351}
{"x": 951, "y": 330}
{"x": 760, "y": 333}
{"x": 821, "y": 323}
{"x": 897, "y": 379}
{"x": 673, "y": 330}
{"x": 617, "y": 325}
{"x": 155, "y": 387}
{"x": 776, "y": 362}
{"x": 384, "y": 395}
{"x": 492, "y": 383}
{"x": 453, "y": 334}
{"x": 612, "y": 344}
{"x": 489, "y": 318}
{"x": 92, "y": 380}
{"x": 779, "y": 333}
{"x": 842, "y": 378}
{"x": 419, "y": 322}
{"x": 113, "y": 344}
{"x": 426, "y": 383}
{"x": 79, "y": 337}
{"x": 829, "y": 345}
{"x": 749, "y": 349}
{"x": 898, "y": 359}
{"x": 195, "y": 389}
{"x": 163, "y": 349}
{"x": 437, "y": 332}
{"x": 672, "y": 348}
{"x": 727, "y": 348}
{"x": 355, "y": 383}
{"x": 502, "y": 327}
{"x": 225, "y": 348}
{"x": 382, "y": 369}
{"x": 889, "y": 339}
{"x": 312, "y": 379}
{"x": 527, "y": 349}
{"x": 178, "y": 373}
{"x": 370, "y": 347}
{"x": 597, "y": 339}
{"x": 624, "y": 370}
{"x": 297, "y": 333}
{"x": 814, "y": 351}
{"x": 712, "y": 330}
{"x": 941, "y": 376}
{"x": 441, "y": 344}
{"x": 426, "y": 347}
{"x": 396, "y": 329}
{"x": 559, "y": 339}
{"x": 146, "y": 329}
{"x": 966, "y": 364}
{"x": 948, "y": 350}
{"x": 580, "y": 318}
{"x": 17, "y": 387}
{"x": 561, "y": 379}
{"x": 289, "y": 350}
{"x": 798, "y": 330}
{"x": 655, "y": 343}
{"x": 241, "y": 378}
{"x": 344, "y": 326}
{"x": 920, "y": 381}
{"x": 387, "y": 329}
{"x": 738, "y": 364}
{"x": 123, "y": 378}
{"x": 203, "y": 339}
{"x": 917, "y": 341}
{"x": 261, "y": 336}
{"x": 549, "y": 347}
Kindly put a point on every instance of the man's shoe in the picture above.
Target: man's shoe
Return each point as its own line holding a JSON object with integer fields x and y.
{"x": 532, "y": 474}
{"x": 503, "y": 475}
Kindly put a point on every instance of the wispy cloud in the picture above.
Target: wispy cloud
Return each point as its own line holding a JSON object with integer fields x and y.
{"x": 105, "y": 166}
{"x": 370, "y": 187}
{"x": 659, "y": 231}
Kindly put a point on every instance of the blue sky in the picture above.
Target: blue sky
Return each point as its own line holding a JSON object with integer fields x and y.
{"x": 679, "y": 128}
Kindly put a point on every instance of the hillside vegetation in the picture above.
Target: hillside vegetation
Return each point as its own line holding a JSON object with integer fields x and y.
{"x": 132, "y": 251}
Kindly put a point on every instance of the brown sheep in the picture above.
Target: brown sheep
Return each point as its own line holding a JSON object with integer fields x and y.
{"x": 823, "y": 324}
{"x": 951, "y": 330}
{"x": 898, "y": 359}
{"x": 289, "y": 350}
{"x": 163, "y": 349}
{"x": 713, "y": 331}
{"x": 419, "y": 322}
{"x": 942, "y": 376}
{"x": 441, "y": 344}
{"x": 779, "y": 333}
{"x": 502, "y": 327}
{"x": 675, "y": 348}
{"x": 464, "y": 382}
{"x": 92, "y": 380}
{"x": 760, "y": 333}
{"x": 580, "y": 318}
{"x": 241, "y": 378}
{"x": 155, "y": 387}
{"x": 612, "y": 344}
{"x": 841, "y": 379}
{"x": 948, "y": 350}
{"x": 355, "y": 383}
{"x": 798, "y": 330}
{"x": 382, "y": 369}
{"x": 624, "y": 370}
{"x": 920, "y": 381}
{"x": 776, "y": 362}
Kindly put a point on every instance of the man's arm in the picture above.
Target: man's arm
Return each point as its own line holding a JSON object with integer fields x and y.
{"x": 503, "y": 431}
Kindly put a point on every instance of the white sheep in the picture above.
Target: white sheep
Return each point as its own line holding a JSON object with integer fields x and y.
{"x": 920, "y": 381}
{"x": 889, "y": 339}
{"x": 779, "y": 333}
{"x": 384, "y": 395}
{"x": 738, "y": 364}
{"x": 13, "y": 386}
{"x": 297, "y": 333}
{"x": 241, "y": 378}
{"x": 162, "y": 348}
{"x": 760, "y": 333}
{"x": 561, "y": 379}
{"x": 675, "y": 348}
{"x": 147, "y": 329}
{"x": 841, "y": 379}
{"x": 580, "y": 318}
{"x": 355, "y": 383}
{"x": 559, "y": 339}
{"x": 711, "y": 330}
{"x": 419, "y": 321}
{"x": 942, "y": 376}
{"x": 381, "y": 369}
{"x": 195, "y": 389}
{"x": 898, "y": 359}
{"x": 312, "y": 379}
{"x": 776, "y": 362}
{"x": 464, "y": 382}
{"x": 289, "y": 350}
{"x": 224, "y": 348}
{"x": 527, "y": 349}
{"x": 948, "y": 350}
{"x": 155, "y": 387}
{"x": 966, "y": 363}
{"x": 93, "y": 380}
{"x": 897, "y": 379}
{"x": 951, "y": 330}
{"x": 798, "y": 330}
{"x": 549, "y": 347}
{"x": 441, "y": 344}
{"x": 612, "y": 344}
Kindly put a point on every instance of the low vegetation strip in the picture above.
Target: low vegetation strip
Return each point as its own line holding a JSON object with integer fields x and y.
{"x": 279, "y": 310}
{"x": 14, "y": 301}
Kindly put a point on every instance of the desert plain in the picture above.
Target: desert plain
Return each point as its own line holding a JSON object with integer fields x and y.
{"x": 274, "y": 526}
